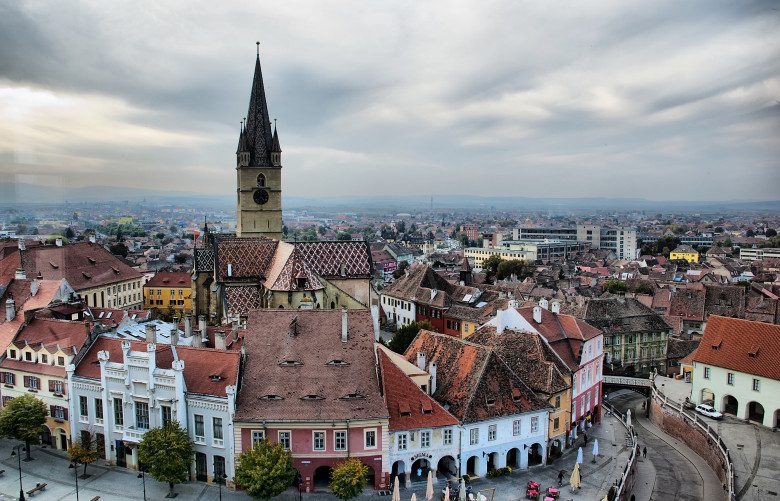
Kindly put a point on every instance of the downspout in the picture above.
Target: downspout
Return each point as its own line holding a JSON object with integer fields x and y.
{"x": 460, "y": 449}
{"x": 349, "y": 445}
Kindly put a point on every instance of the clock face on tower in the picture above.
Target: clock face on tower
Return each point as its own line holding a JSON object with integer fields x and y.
{"x": 260, "y": 196}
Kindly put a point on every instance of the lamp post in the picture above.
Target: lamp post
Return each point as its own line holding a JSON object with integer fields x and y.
{"x": 143, "y": 479}
{"x": 75, "y": 466}
{"x": 221, "y": 480}
{"x": 18, "y": 452}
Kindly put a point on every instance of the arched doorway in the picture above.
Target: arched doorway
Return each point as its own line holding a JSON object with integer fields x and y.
{"x": 332, "y": 305}
{"x": 492, "y": 461}
{"x": 420, "y": 470}
{"x": 776, "y": 421}
{"x": 707, "y": 397}
{"x": 535, "y": 455}
{"x": 46, "y": 435}
{"x": 281, "y": 306}
{"x": 322, "y": 477}
{"x": 756, "y": 412}
{"x": 513, "y": 458}
{"x": 398, "y": 470}
{"x": 370, "y": 477}
{"x": 472, "y": 466}
{"x": 447, "y": 467}
{"x": 730, "y": 405}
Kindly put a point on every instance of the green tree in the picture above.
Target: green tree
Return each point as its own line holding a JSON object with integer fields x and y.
{"x": 83, "y": 452}
{"x": 265, "y": 470}
{"x": 22, "y": 419}
{"x": 344, "y": 236}
{"x": 614, "y": 286}
{"x": 119, "y": 249}
{"x": 167, "y": 452}
{"x": 400, "y": 226}
{"x": 750, "y": 233}
{"x": 770, "y": 233}
{"x": 322, "y": 230}
{"x": 180, "y": 258}
{"x": 348, "y": 478}
{"x": 491, "y": 264}
{"x": 404, "y": 336}
{"x": 285, "y": 230}
{"x": 644, "y": 289}
{"x": 521, "y": 268}
{"x": 399, "y": 272}
{"x": 69, "y": 233}
{"x": 119, "y": 235}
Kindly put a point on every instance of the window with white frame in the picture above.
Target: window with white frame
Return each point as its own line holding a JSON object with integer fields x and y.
{"x": 284, "y": 439}
{"x": 473, "y": 436}
{"x": 370, "y": 439}
{"x": 756, "y": 385}
{"x": 98, "y": 410}
{"x": 257, "y": 436}
{"x": 142, "y": 415}
{"x": 730, "y": 378}
{"x": 318, "y": 439}
{"x": 83, "y": 408}
{"x": 165, "y": 414}
{"x": 491, "y": 432}
{"x": 119, "y": 418}
{"x": 200, "y": 428}
{"x": 217, "y": 424}
{"x": 425, "y": 439}
{"x": 516, "y": 427}
{"x": 58, "y": 387}
{"x": 340, "y": 440}
{"x": 403, "y": 441}
{"x": 534, "y": 424}
{"x": 706, "y": 373}
{"x": 447, "y": 437}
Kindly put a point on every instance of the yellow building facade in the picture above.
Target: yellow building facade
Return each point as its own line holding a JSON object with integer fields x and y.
{"x": 685, "y": 252}
{"x": 169, "y": 291}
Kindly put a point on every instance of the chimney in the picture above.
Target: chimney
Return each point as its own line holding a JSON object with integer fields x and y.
{"x": 220, "y": 340}
{"x": 22, "y": 245}
{"x": 499, "y": 321}
{"x": 538, "y": 314}
{"x": 204, "y": 340}
{"x": 20, "y": 274}
{"x": 543, "y": 303}
{"x": 202, "y": 323}
{"x": 187, "y": 325}
{"x": 151, "y": 333}
{"x": 34, "y": 287}
{"x": 433, "y": 377}
{"x": 197, "y": 341}
{"x": 513, "y": 303}
{"x": 174, "y": 336}
{"x": 234, "y": 331}
{"x": 375, "y": 320}
{"x": 10, "y": 310}
{"x": 421, "y": 360}
{"x": 92, "y": 239}
{"x": 556, "y": 307}
{"x": 344, "y": 325}
{"x": 58, "y": 242}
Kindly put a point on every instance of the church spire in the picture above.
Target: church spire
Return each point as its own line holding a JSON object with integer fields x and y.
{"x": 259, "y": 140}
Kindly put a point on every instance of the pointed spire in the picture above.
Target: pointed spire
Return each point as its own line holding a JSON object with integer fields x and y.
{"x": 276, "y": 147}
{"x": 259, "y": 140}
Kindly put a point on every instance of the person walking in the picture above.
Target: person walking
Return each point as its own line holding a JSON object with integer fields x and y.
{"x": 585, "y": 436}
{"x": 560, "y": 478}
{"x": 644, "y": 452}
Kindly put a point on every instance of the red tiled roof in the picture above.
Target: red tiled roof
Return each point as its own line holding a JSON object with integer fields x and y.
{"x": 564, "y": 333}
{"x": 408, "y": 405}
{"x": 298, "y": 355}
{"x": 83, "y": 265}
{"x": 33, "y": 368}
{"x": 248, "y": 258}
{"x": 729, "y": 342}
{"x": 170, "y": 279}
{"x": 50, "y": 333}
{"x": 328, "y": 258}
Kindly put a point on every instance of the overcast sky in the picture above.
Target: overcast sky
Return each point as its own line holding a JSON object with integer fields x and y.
{"x": 661, "y": 99}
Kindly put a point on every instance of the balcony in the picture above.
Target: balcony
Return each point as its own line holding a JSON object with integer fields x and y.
{"x": 133, "y": 435}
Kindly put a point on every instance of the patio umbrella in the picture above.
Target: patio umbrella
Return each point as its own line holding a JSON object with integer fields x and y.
{"x": 462, "y": 492}
{"x": 429, "y": 489}
{"x": 579, "y": 455}
{"x": 595, "y": 449}
{"x": 396, "y": 492}
{"x": 574, "y": 481}
{"x": 414, "y": 497}
{"x": 447, "y": 493}
{"x": 628, "y": 417}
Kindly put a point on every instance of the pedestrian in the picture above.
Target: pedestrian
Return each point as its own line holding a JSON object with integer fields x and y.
{"x": 585, "y": 436}
{"x": 560, "y": 478}
{"x": 644, "y": 452}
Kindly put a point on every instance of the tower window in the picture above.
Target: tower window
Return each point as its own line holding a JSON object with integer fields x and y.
{"x": 260, "y": 180}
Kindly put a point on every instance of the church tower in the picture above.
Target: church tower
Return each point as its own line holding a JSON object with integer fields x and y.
{"x": 259, "y": 168}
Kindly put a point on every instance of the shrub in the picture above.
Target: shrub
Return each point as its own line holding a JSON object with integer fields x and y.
{"x": 466, "y": 478}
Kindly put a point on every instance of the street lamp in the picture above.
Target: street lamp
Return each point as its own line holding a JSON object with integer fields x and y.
{"x": 143, "y": 479}
{"x": 220, "y": 480}
{"x": 75, "y": 466}
{"x": 18, "y": 452}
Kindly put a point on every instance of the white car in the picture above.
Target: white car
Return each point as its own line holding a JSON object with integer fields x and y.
{"x": 708, "y": 411}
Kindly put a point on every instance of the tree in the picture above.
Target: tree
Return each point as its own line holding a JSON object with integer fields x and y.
{"x": 615, "y": 286}
{"x": 348, "y": 478}
{"x": 119, "y": 235}
{"x": 344, "y": 236}
{"x": 167, "y": 452}
{"x": 400, "y": 226}
{"x": 119, "y": 249}
{"x": 521, "y": 268}
{"x": 69, "y": 233}
{"x": 644, "y": 289}
{"x": 22, "y": 419}
{"x": 285, "y": 230}
{"x": 399, "y": 272}
{"x": 491, "y": 264}
{"x": 750, "y": 233}
{"x": 83, "y": 451}
{"x": 404, "y": 336}
{"x": 770, "y": 233}
{"x": 322, "y": 230}
{"x": 265, "y": 470}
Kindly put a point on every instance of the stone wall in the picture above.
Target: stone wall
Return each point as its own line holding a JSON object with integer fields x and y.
{"x": 682, "y": 428}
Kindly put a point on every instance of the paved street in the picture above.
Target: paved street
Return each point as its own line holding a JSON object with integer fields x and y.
{"x": 111, "y": 483}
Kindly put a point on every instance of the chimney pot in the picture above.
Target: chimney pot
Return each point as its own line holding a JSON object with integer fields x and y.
{"x": 174, "y": 336}
{"x": 538, "y": 314}
{"x": 58, "y": 242}
{"x": 421, "y": 360}
{"x": 187, "y": 325}
{"x": 234, "y": 331}
{"x": 20, "y": 274}
{"x": 202, "y": 323}
{"x": 556, "y": 307}
{"x": 344, "y": 325}
{"x": 433, "y": 377}
{"x": 220, "y": 340}
{"x": 151, "y": 333}
{"x": 10, "y": 310}
{"x": 543, "y": 303}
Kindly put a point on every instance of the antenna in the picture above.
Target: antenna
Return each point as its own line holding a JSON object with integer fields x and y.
{"x": 258, "y": 49}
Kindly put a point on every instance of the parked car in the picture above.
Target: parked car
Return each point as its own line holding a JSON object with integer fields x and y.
{"x": 709, "y": 411}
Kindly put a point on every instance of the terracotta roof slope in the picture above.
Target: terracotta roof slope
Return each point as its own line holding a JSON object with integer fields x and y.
{"x": 408, "y": 405}
{"x": 337, "y": 259}
{"x": 740, "y": 345}
{"x": 170, "y": 279}
{"x": 248, "y": 258}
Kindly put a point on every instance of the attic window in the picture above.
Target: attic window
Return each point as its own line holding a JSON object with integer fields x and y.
{"x": 87, "y": 276}
{"x": 753, "y": 352}
{"x": 91, "y": 260}
{"x": 312, "y": 397}
{"x": 352, "y": 396}
{"x": 403, "y": 409}
{"x": 115, "y": 270}
{"x": 716, "y": 343}
{"x": 290, "y": 363}
{"x": 216, "y": 378}
{"x": 491, "y": 402}
{"x": 337, "y": 362}
{"x": 516, "y": 395}
{"x": 427, "y": 408}
{"x": 53, "y": 265}
{"x": 271, "y": 397}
